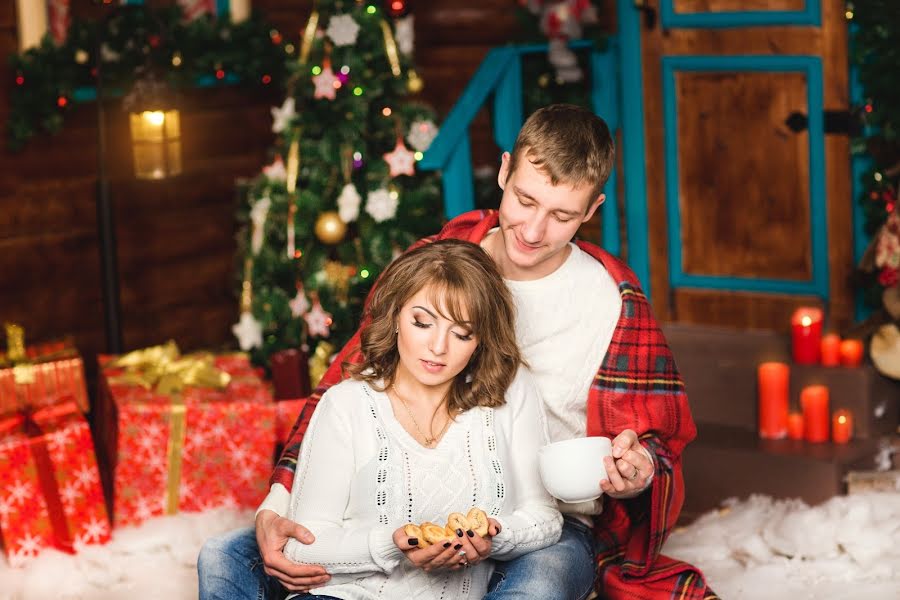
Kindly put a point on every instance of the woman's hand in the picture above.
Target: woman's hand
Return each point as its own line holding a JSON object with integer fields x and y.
{"x": 476, "y": 547}
{"x": 449, "y": 554}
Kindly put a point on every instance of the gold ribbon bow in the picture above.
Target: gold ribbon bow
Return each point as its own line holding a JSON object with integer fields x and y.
{"x": 164, "y": 369}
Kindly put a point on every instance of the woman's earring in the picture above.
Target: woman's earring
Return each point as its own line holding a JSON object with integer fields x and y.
{"x": 397, "y": 329}
{"x": 469, "y": 378}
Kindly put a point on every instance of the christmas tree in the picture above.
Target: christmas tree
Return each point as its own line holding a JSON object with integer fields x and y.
{"x": 876, "y": 25}
{"x": 342, "y": 196}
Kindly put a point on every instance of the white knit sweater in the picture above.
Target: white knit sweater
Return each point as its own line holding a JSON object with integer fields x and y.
{"x": 364, "y": 476}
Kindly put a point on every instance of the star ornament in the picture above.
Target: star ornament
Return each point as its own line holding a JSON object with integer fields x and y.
{"x": 248, "y": 331}
{"x": 276, "y": 171}
{"x": 318, "y": 321}
{"x": 299, "y": 304}
{"x": 282, "y": 116}
{"x": 325, "y": 84}
{"x": 400, "y": 160}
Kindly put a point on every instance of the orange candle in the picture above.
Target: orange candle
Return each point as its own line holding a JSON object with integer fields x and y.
{"x": 806, "y": 335}
{"x": 831, "y": 345}
{"x": 851, "y": 353}
{"x": 814, "y": 402}
{"x": 841, "y": 426}
{"x": 795, "y": 426}
{"x": 772, "y": 378}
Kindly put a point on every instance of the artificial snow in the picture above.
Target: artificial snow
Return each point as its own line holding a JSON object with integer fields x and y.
{"x": 758, "y": 548}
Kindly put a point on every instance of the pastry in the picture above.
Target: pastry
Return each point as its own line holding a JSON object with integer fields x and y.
{"x": 478, "y": 521}
{"x": 414, "y": 531}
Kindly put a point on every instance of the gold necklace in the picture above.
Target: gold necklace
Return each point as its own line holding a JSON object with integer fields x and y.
{"x": 429, "y": 441}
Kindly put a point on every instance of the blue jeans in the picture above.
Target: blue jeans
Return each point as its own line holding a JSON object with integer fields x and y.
{"x": 230, "y": 568}
{"x": 563, "y": 571}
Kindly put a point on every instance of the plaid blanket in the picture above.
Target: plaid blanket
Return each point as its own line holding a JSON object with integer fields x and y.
{"x": 636, "y": 387}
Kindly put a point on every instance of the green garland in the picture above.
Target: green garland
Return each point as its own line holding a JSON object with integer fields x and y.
{"x": 876, "y": 56}
{"x": 50, "y": 78}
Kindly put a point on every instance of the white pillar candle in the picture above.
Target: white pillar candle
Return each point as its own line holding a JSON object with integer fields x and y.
{"x": 32, "y": 22}
{"x": 239, "y": 10}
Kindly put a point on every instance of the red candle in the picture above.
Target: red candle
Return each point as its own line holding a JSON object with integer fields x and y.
{"x": 773, "y": 399}
{"x": 806, "y": 335}
{"x": 851, "y": 353}
{"x": 841, "y": 426}
{"x": 795, "y": 426}
{"x": 831, "y": 345}
{"x": 814, "y": 402}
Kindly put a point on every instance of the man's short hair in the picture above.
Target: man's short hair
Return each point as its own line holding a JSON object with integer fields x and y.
{"x": 568, "y": 143}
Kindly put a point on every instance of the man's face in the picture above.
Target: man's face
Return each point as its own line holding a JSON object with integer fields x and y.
{"x": 537, "y": 220}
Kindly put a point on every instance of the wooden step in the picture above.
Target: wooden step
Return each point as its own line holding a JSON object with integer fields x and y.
{"x": 726, "y": 461}
{"x": 719, "y": 370}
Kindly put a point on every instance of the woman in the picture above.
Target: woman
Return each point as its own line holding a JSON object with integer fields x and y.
{"x": 439, "y": 417}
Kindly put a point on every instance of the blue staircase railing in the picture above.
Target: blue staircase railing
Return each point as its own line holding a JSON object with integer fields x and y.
{"x": 500, "y": 75}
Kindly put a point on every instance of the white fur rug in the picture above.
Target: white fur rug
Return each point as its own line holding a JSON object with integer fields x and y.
{"x": 757, "y": 548}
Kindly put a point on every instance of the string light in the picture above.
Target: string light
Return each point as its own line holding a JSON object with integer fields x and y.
{"x": 220, "y": 74}
{"x": 20, "y": 80}
{"x": 357, "y": 91}
{"x": 316, "y": 70}
{"x": 371, "y": 9}
{"x": 386, "y": 111}
{"x": 61, "y": 101}
{"x": 418, "y": 155}
{"x": 276, "y": 37}
{"x": 364, "y": 273}
{"x": 267, "y": 79}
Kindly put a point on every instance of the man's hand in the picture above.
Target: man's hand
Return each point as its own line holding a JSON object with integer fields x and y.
{"x": 272, "y": 533}
{"x": 628, "y": 469}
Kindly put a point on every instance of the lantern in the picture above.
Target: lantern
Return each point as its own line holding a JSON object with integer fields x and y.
{"x": 155, "y": 130}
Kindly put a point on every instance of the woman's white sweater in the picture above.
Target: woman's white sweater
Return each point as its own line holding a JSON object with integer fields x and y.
{"x": 363, "y": 476}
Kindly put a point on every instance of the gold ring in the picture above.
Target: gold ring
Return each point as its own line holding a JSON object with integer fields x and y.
{"x": 636, "y": 473}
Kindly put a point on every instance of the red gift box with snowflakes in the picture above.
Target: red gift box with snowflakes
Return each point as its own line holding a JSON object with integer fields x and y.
{"x": 186, "y": 450}
{"x": 50, "y": 491}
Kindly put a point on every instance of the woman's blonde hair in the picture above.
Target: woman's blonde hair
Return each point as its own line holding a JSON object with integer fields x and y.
{"x": 462, "y": 280}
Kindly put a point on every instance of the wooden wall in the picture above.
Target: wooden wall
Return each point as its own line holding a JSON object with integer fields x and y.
{"x": 176, "y": 238}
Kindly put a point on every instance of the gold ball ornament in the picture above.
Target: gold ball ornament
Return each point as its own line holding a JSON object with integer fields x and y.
{"x": 415, "y": 83}
{"x": 330, "y": 229}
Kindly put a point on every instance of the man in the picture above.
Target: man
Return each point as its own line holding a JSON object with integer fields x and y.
{"x": 603, "y": 368}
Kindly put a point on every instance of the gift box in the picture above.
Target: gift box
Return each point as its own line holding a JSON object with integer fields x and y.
{"x": 39, "y": 375}
{"x": 50, "y": 492}
{"x": 182, "y": 433}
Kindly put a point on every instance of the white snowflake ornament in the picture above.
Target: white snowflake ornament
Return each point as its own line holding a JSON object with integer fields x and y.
{"x": 405, "y": 35}
{"x": 318, "y": 321}
{"x": 342, "y": 30}
{"x": 421, "y": 134}
{"x": 348, "y": 203}
{"x": 382, "y": 204}
{"x": 283, "y": 115}
{"x": 258, "y": 215}
{"x": 400, "y": 160}
{"x": 248, "y": 331}
{"x": 325, "y": 84}
{"x": 299, "y": 304}
{"x": 276, "y": 171}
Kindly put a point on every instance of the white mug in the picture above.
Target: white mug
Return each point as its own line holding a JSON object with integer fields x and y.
{"x": 572, "y": 469}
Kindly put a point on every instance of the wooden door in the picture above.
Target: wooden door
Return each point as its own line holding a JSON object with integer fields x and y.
{"x": 747, "y": 217}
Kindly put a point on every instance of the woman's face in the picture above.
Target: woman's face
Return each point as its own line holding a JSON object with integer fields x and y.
{"x": 433, "y": 350}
